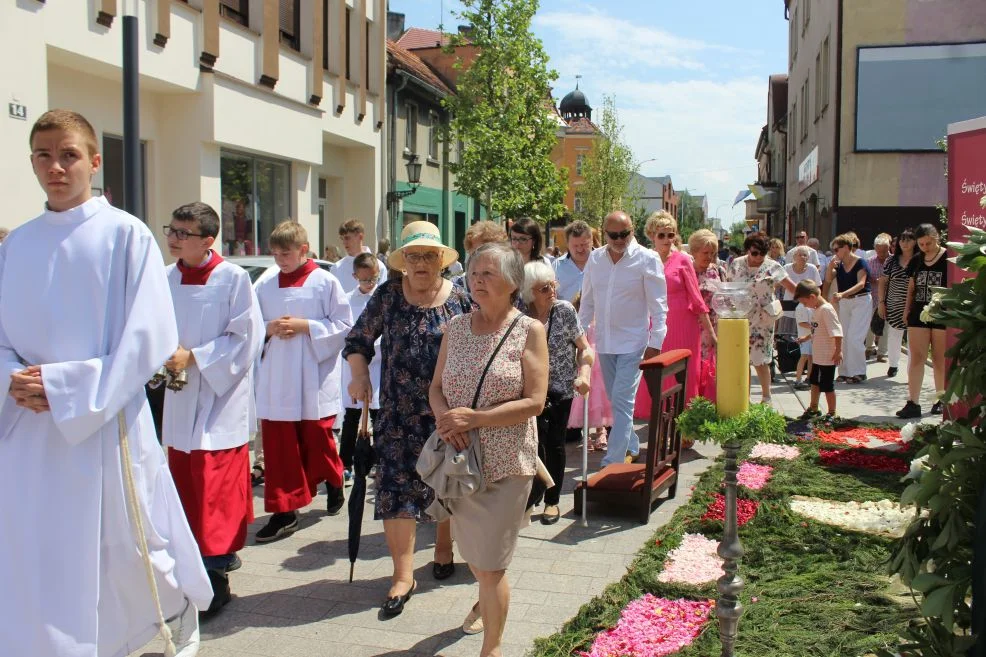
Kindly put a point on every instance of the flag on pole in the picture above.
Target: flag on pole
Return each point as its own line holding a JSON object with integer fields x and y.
{"x": 741, "y": 195}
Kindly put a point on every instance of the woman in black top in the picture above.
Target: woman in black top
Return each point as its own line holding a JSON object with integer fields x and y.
{"x": 893, "y": 296}
{"x": 855, "y": 306}
{"x": 926, "y": 271}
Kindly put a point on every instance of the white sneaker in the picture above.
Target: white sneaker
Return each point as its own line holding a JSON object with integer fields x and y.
{"x": 185, "y": 631}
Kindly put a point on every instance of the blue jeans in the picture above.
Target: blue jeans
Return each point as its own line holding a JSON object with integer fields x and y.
{"x": 621, "y": 374}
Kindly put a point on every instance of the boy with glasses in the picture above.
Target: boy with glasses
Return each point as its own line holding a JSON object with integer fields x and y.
{"x": 366, "y": 271}
{"x": 206, "y": 424}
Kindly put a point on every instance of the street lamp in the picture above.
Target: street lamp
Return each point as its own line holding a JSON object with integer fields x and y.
{"x": 413, "y": 178}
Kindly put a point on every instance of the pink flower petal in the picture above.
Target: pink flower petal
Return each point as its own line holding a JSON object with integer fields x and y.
{"x": 652, "y": 627}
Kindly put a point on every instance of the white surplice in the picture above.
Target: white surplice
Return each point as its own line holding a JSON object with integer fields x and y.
{"x": 299, "y": 377}
{"x": 83, "y": 293}
{"x": 220, "y": 323}
{"x": 357, "y": 302}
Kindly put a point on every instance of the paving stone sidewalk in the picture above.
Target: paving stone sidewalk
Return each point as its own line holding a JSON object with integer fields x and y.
{"x": 293, "y": 597}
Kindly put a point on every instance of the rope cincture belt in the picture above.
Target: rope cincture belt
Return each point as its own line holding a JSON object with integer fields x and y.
{"x": 133, "y": 508}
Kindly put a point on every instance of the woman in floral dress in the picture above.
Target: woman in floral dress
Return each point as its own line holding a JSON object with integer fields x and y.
{"x": 410, "y": 315}
{"x": 704, "y": 248}
{"x": 765, "y": 274}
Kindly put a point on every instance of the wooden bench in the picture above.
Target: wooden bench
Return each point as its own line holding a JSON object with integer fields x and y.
{"x": 635, "y": 487}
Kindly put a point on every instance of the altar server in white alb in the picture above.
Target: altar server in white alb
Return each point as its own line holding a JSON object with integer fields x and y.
{"x": 85, "y": 320}
{"x": 307, "y": 318}
{"x": 207, "y": 424}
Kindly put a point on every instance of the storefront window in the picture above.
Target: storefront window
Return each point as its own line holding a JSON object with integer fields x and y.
{"x": 255, "y": 194}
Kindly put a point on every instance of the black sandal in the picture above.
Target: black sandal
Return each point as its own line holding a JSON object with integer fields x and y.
{"x": 257, "y": 475}
{"x": 854, "y": 380}
{"x": 443, "y": 570}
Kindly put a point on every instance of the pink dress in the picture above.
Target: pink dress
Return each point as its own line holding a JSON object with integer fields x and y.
{"x": 685, "y": 305}
{"x": 708, "y": 283}
{"x": 600, "y": 412}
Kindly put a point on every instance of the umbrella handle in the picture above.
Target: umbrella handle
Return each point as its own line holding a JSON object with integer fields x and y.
{"x": 365, "y": 417}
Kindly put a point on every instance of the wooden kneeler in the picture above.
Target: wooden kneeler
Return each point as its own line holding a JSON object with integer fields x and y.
{"x": 634, "y": 487}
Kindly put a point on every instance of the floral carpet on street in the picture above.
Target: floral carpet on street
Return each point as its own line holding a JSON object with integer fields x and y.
{"x": 817, "y": 518}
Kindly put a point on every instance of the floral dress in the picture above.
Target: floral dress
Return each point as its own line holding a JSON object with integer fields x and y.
{"x": 764, "y": 278}
{"x": 410, "y": 341}
{"x": 708, "y": 283}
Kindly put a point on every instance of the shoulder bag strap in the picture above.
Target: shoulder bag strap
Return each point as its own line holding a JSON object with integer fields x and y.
{"x": 479, "y": 386}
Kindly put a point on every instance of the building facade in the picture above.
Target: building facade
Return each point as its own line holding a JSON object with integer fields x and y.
{"x": 265, "y": 109}
{"x": 872, "y": 87}
{"x": 418, "y": 119}
{"x": 771, "y": 155}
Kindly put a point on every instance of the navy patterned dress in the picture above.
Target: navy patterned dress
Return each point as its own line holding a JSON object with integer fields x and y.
{"x": 411, "y": 338}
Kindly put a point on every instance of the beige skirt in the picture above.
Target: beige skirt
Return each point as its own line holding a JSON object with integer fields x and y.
{"x": 486, "y": 524}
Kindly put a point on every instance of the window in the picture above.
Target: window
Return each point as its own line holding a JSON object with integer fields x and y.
{"x": 825, "y": 74}
{"x": 794, "y": 35}
{"x": 289, "y": 17}
{"x": 366, "y": 54}
{"x": 349, "y": 43}
{"x": 579, "y": 161}
{"x": 325, "y": 35}
{"x": 792, "y": 130}
{"x": 113, "y": 189}
{"x": 236, "y": 10}
{"x": 578, "y": 202}
{"x": 818, "y": 85}
{"x": 891, "y": 115}
{"x": 256, "y": 196}
{"x": 410, "y": 128}
{"x": 804, "y": 110}
{"x": 433, "y": 135}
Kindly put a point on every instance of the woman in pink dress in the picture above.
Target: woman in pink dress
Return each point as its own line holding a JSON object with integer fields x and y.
{"x": 704, "y": 248}
{"x": 687, "y": 312}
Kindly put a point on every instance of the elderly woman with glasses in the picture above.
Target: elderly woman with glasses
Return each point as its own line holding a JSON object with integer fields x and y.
{"x": 409, "y": 315}
{"x": 688, "y": 314}
{"x": 569, "y": 371}
{"x": 510, "y": 396}
{"x": 766, "y": 275}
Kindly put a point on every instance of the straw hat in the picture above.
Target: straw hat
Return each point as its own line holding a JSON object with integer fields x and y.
{"x": 421, "y": 233}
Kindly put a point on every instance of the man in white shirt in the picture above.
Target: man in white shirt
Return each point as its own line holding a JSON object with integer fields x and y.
{"x": 801, "y": 239}
{"x": 351, "y": 233}
{"x": 569, "y": 268}
{"x": 624, "y": 292}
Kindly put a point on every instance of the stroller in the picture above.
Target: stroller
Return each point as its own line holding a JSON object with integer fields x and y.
{"x": 787, "y": 351}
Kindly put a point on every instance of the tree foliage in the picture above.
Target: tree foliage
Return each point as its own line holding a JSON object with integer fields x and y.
{"x": 690, "y": 215}
{"x": 501, "y": 114}
{"x": 608, "y": 170}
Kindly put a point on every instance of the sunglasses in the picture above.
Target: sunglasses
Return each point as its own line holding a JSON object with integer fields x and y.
{"x": 620, "y": 235}
{"x": 180, "y": 233}
{"x": 662, "y": 236}
{"x": 802, "y": 237}
{"x": 754, "y": 253}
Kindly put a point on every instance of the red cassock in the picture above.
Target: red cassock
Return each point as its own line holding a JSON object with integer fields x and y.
{"x": 215, "y": 490}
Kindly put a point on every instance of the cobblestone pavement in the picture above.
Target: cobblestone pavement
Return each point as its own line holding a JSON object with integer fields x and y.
{"x": 292, "y": 597}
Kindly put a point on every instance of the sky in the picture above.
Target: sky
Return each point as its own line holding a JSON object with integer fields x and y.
{"x": 689, "y": 78}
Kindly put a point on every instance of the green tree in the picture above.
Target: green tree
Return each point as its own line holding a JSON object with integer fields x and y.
{"x": 608, "y": 171}
{"x": 690, "y": 216}
{"x": 501, "y": 113}
{"x": 736, "y": 235}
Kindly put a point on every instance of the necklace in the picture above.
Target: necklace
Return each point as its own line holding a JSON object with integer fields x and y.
{"x": 931, "y": 261}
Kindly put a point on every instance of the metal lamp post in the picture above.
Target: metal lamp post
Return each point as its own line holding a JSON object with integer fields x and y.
{"x": 732, "y": 303}
{"x": 132, "y": 171}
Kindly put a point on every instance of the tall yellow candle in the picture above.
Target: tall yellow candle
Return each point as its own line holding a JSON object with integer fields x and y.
{"x": 733, "y": 367}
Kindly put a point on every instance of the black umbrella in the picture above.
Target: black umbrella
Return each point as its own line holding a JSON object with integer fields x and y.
{"x": 363, "y": 459}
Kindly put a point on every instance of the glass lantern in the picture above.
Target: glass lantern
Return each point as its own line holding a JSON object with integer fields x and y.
{"x": 733, "y": 300}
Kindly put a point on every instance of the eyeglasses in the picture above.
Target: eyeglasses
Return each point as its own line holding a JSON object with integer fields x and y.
{"x": 662, "y": 236}
{"x": 367, "y": 281}
{"x": 802, "y": 237}
{"x": 523, "y": 239}
{"x": 754, "y": 253}
{"x": 180, "y": 233}
{"x": 621, "y": 235}
{"x": 431, "y": 257}
{"x": 548, "y": 287}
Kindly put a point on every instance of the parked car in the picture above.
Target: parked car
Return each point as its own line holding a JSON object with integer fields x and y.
{"x": 255, "y": 266}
